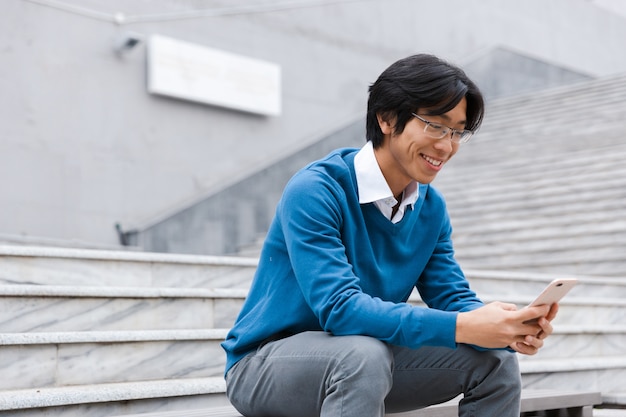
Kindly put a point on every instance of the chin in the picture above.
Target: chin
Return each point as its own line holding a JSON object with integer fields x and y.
{"x": 425, "y": 179}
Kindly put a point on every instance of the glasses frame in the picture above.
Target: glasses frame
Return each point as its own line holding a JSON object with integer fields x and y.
{"x": 463, "y": 135}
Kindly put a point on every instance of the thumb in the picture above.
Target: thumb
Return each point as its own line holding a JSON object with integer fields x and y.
{"x": 529, "y": 313}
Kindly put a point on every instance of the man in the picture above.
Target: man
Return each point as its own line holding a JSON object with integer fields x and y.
{"x": 326, "y": 329}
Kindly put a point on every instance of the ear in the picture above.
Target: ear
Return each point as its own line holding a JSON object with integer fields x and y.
{"x": 385, "y": 125}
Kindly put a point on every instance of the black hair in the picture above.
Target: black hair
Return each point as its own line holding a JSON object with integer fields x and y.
{"x": 420, "y": 82}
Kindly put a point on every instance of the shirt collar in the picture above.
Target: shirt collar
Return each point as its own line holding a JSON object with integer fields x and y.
{"x": 371, "y": 183}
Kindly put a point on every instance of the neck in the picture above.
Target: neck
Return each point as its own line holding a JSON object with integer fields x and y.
{"x": 397, "y": 183}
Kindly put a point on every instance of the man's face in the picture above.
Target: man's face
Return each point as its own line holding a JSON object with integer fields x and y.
{"x": 412, "y": 154}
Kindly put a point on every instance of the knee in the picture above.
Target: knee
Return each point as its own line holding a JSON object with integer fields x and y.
{"x": 503, "y": 366}
{"x": 368, "y": 358}
{"x": 365, "y": 367}
{"x": 513, "y": 371}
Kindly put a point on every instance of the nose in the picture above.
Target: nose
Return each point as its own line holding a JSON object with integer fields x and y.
{"x": 445, "y": 144}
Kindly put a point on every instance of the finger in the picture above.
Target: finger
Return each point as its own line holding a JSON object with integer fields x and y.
{"x": 554, "y": 308}
{"x": 530, "y": 313}
{"x": 523, "y": 348}
{"x": 546, "y": 327}
{"x": 533, "y": 341}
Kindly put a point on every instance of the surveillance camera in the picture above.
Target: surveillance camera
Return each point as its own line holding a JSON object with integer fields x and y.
{"x": 130, "y": 42}
{"x": 126, "y": 42}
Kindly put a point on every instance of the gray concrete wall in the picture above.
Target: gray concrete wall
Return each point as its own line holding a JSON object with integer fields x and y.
{"x": 83, "y": 145}
{"x": 237, "y": 218}
{"x": 502, "y": 72}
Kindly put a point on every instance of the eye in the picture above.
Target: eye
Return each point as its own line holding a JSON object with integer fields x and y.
{"x": 437, "y": 127}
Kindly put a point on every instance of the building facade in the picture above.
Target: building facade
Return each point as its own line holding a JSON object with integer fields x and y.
{"x": 86, "y": 146}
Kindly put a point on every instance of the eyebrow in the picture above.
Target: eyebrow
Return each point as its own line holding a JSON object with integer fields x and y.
{"x": 449, "y": 120}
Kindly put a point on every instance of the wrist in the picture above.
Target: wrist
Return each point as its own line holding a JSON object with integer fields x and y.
{"x": 461, "y": 328}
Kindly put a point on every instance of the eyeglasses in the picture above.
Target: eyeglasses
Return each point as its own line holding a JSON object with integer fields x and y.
{"x": 439, "y": 131}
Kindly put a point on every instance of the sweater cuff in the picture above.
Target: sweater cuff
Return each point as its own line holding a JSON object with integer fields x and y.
{"x": 443, "y": 328}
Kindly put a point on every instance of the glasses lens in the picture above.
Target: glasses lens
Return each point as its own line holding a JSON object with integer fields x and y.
{"x": 435, "y": 131}
{"x": 463, "y": 136}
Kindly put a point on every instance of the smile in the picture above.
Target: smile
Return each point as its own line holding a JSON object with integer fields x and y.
{"x": 432, "y": 161}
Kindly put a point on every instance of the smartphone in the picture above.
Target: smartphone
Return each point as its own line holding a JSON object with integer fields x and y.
{"x": 554, "y": 291}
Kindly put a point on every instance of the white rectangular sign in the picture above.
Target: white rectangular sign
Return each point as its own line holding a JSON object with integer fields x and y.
{"x": 199, "y": 73}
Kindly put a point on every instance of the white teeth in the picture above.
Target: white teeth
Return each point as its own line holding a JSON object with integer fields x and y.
{"x": 431, "y": 160}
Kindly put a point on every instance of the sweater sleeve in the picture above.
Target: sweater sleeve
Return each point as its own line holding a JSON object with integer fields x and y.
{"x": 312, "y": 215}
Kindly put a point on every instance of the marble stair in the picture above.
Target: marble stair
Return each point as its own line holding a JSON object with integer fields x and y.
{"x": 586, "y": 350}
{"x": 89, "y": 332}
{"x": 96, "y": 333}
{"x": 538, "y": 194}
{"x": 542, "y": 186}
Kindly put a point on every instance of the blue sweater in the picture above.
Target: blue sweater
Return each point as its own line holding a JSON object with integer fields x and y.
{"x": 332, "y": 264}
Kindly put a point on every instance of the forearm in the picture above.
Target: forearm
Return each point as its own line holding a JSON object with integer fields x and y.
{"x": 395, "y": 323}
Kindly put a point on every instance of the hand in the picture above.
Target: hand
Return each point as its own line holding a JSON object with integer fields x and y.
{"x": 498, "y": 325}
{"x": 532, "y": 343}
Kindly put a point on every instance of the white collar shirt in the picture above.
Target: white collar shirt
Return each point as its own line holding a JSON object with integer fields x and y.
{"x": 373, "y": 187}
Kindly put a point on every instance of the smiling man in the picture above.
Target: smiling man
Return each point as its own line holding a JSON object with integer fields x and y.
{"x": 326, "y": 329}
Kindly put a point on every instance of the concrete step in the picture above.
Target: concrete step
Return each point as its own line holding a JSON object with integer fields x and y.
{"x": 561, "y": 170}
{"x": 512, "y": 198}
{"x": 578, "y": 310}
{"x": 543, "y": 199}
{"x": 592, "y": 313}
{"x": 568, "y": 101}
{"x": 519, "y": 146}
{"x": 563, "y": 101}
{"x": 184, "y": 398}
{"x": 599, "y": 260}
{"x": 606, "y": 412}
{"x": 606, "y": 374}
{"x": 30, "y": 360}
{"x": 226, "y": 411}
{"x": 615, "y": 399}
{"x": 40, "y": 308}
{"x": 83, "y": 267}
{"x": 528, "y": 231}
{"x": 527, "y": 284}
{"x": 511, "y": 195}
{"x": 36, "y": 360}
{"x": 104, "y": 400}
{"x": 172, "y": 397}
{"x": 532, "y": 400}
{"x": 534, "y": 369}
{"x": 601, "y": 267}
{"x": 524, "y": 121}
{"x": 576, "y": 341}
{"x": 594, "y": 303}
{"x": 37, "y": 308}
{"x": 70, "y": 339}
{"x": 534, "y": 202}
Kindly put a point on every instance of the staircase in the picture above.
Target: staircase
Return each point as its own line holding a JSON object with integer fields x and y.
{"x": 101, "y": 333}
{"x": 542, "y": 186}
{"x": 539, "y": 193}
{"x": 97, "y": 333}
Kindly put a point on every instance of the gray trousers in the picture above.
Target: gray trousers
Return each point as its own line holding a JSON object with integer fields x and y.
{"x": 315, "y": 374}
